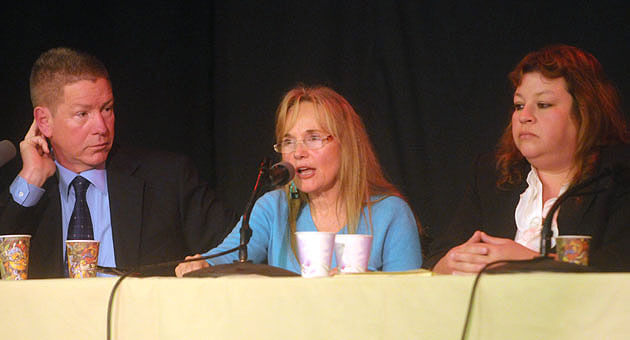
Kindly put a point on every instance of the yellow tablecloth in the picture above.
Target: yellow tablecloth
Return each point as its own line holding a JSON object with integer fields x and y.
{"x": 374, "y": 306}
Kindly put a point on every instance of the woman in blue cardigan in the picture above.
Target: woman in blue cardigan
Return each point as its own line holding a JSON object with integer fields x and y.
{"x": 338, "y": 187}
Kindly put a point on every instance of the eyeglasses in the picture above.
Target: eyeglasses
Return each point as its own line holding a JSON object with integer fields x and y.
{"x": 311, "y": 142}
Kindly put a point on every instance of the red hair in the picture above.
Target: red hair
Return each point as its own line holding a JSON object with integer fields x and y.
{"x": 596, "y": 109}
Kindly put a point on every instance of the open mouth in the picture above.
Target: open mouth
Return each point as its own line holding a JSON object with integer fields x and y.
{"x": 305, "y": 172}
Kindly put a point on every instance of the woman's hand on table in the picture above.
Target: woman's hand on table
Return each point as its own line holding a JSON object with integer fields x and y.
{"x": 187, "y": 267}
{"x": 471, "y": 256}
{"x": 467, "y": 258}
{"x": 506, "y": 249}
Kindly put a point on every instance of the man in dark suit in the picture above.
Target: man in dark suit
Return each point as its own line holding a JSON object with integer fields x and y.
{"x": 144, "y": 206}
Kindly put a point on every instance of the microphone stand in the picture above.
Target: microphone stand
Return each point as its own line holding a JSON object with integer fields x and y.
{"x": 545, "y": 234}
{"x": 243, "y": 266}
{"x": 246, "y": 231}
{"x": 544, "y": 262}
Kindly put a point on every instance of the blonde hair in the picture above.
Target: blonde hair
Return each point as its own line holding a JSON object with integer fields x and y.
{"x": 360, "y": 174}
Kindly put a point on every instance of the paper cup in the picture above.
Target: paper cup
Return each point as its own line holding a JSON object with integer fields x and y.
{"x": 14, "y": 250}
{"x": 573, "y": 248}
{"x": 315, "y": 252}
{"x": 352, "y": 252}
{"x": 82, "y": 258}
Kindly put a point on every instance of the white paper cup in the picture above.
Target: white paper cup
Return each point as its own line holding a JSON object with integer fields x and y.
{"x": 315, "y": 252}
{"x": 352, "y": 252}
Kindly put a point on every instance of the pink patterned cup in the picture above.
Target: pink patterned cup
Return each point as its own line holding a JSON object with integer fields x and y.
{"x": 315, "y": 252}
{"x": 352, "y": 252}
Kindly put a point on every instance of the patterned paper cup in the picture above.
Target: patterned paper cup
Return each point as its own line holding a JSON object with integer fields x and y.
{"x": 82, "y": 258}
{"x": 14, "y": 250}
{"x": 352, "y": 252}
{"x": 573, "y": 248}
{"x": 315, "y": 252}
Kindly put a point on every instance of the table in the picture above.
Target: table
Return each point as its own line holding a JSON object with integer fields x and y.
{"x": 369, "y": 306}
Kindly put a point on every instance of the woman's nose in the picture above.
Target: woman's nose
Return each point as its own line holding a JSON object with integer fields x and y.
{"x": 525, "y": 115}
{"x": 300, "y": 150}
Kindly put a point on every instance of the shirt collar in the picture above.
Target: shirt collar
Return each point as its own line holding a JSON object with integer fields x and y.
{"x": 98, "y": 177}
{"x": 533, "y": 181}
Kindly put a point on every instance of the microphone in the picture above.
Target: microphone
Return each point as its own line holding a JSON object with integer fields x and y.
{"x": 544, "y": 262}
{"x": 281, "y": 174}
{"x": 268, "y": 177}
{"x": 7, "y": 152}
{"x": 545, "y": 234}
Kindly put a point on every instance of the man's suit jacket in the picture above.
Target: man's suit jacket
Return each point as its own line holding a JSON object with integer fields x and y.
{"x": 602, "y": 210}
{"x": 160, "y": 211}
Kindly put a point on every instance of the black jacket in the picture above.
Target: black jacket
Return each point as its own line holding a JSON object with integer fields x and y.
{"x": 601, "y": 210}
{"x": 160, "y": 211}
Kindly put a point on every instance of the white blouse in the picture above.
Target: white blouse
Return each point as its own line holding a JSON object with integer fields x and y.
{"x": 530, "y": 212}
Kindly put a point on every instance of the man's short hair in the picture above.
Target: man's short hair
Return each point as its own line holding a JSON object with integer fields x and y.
{"x": 59, "y": 67}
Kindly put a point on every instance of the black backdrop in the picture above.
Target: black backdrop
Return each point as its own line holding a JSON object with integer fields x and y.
{"x": 204, "y": 78}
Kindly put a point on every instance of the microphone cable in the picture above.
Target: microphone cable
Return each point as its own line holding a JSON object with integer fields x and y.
{"x": 536, "y": 264}
{"x": 476, "y": 282}
{"x": 126, "y": 274}
{"x": 545, "y": 232}
{"x": 278, "y": 174}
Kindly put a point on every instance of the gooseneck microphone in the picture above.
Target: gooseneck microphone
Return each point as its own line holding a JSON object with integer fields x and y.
{"x": 7, "y": 152}
{"x": 246, "y": 231}
{"x": 268, "y": 178}
{"x": 544, "y": 262}
{"x": 281, "y": 174}
{"x": 545, "y": 234}
{"x": 278, "y": 174}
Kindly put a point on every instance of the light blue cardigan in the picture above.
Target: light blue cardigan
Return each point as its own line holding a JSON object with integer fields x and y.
{"x": 395, "y": 243}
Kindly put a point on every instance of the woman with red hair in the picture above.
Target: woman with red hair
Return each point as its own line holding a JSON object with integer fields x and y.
{"x": 566, "y": 127}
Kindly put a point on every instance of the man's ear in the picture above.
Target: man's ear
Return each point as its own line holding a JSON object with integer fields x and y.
{"x": 43, "y": 116}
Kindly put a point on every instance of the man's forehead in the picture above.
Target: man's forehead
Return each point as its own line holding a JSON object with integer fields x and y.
{"x": 85, "y": 79}
{"x": 86, "y": 86}
{"x": 84, "y": 92}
